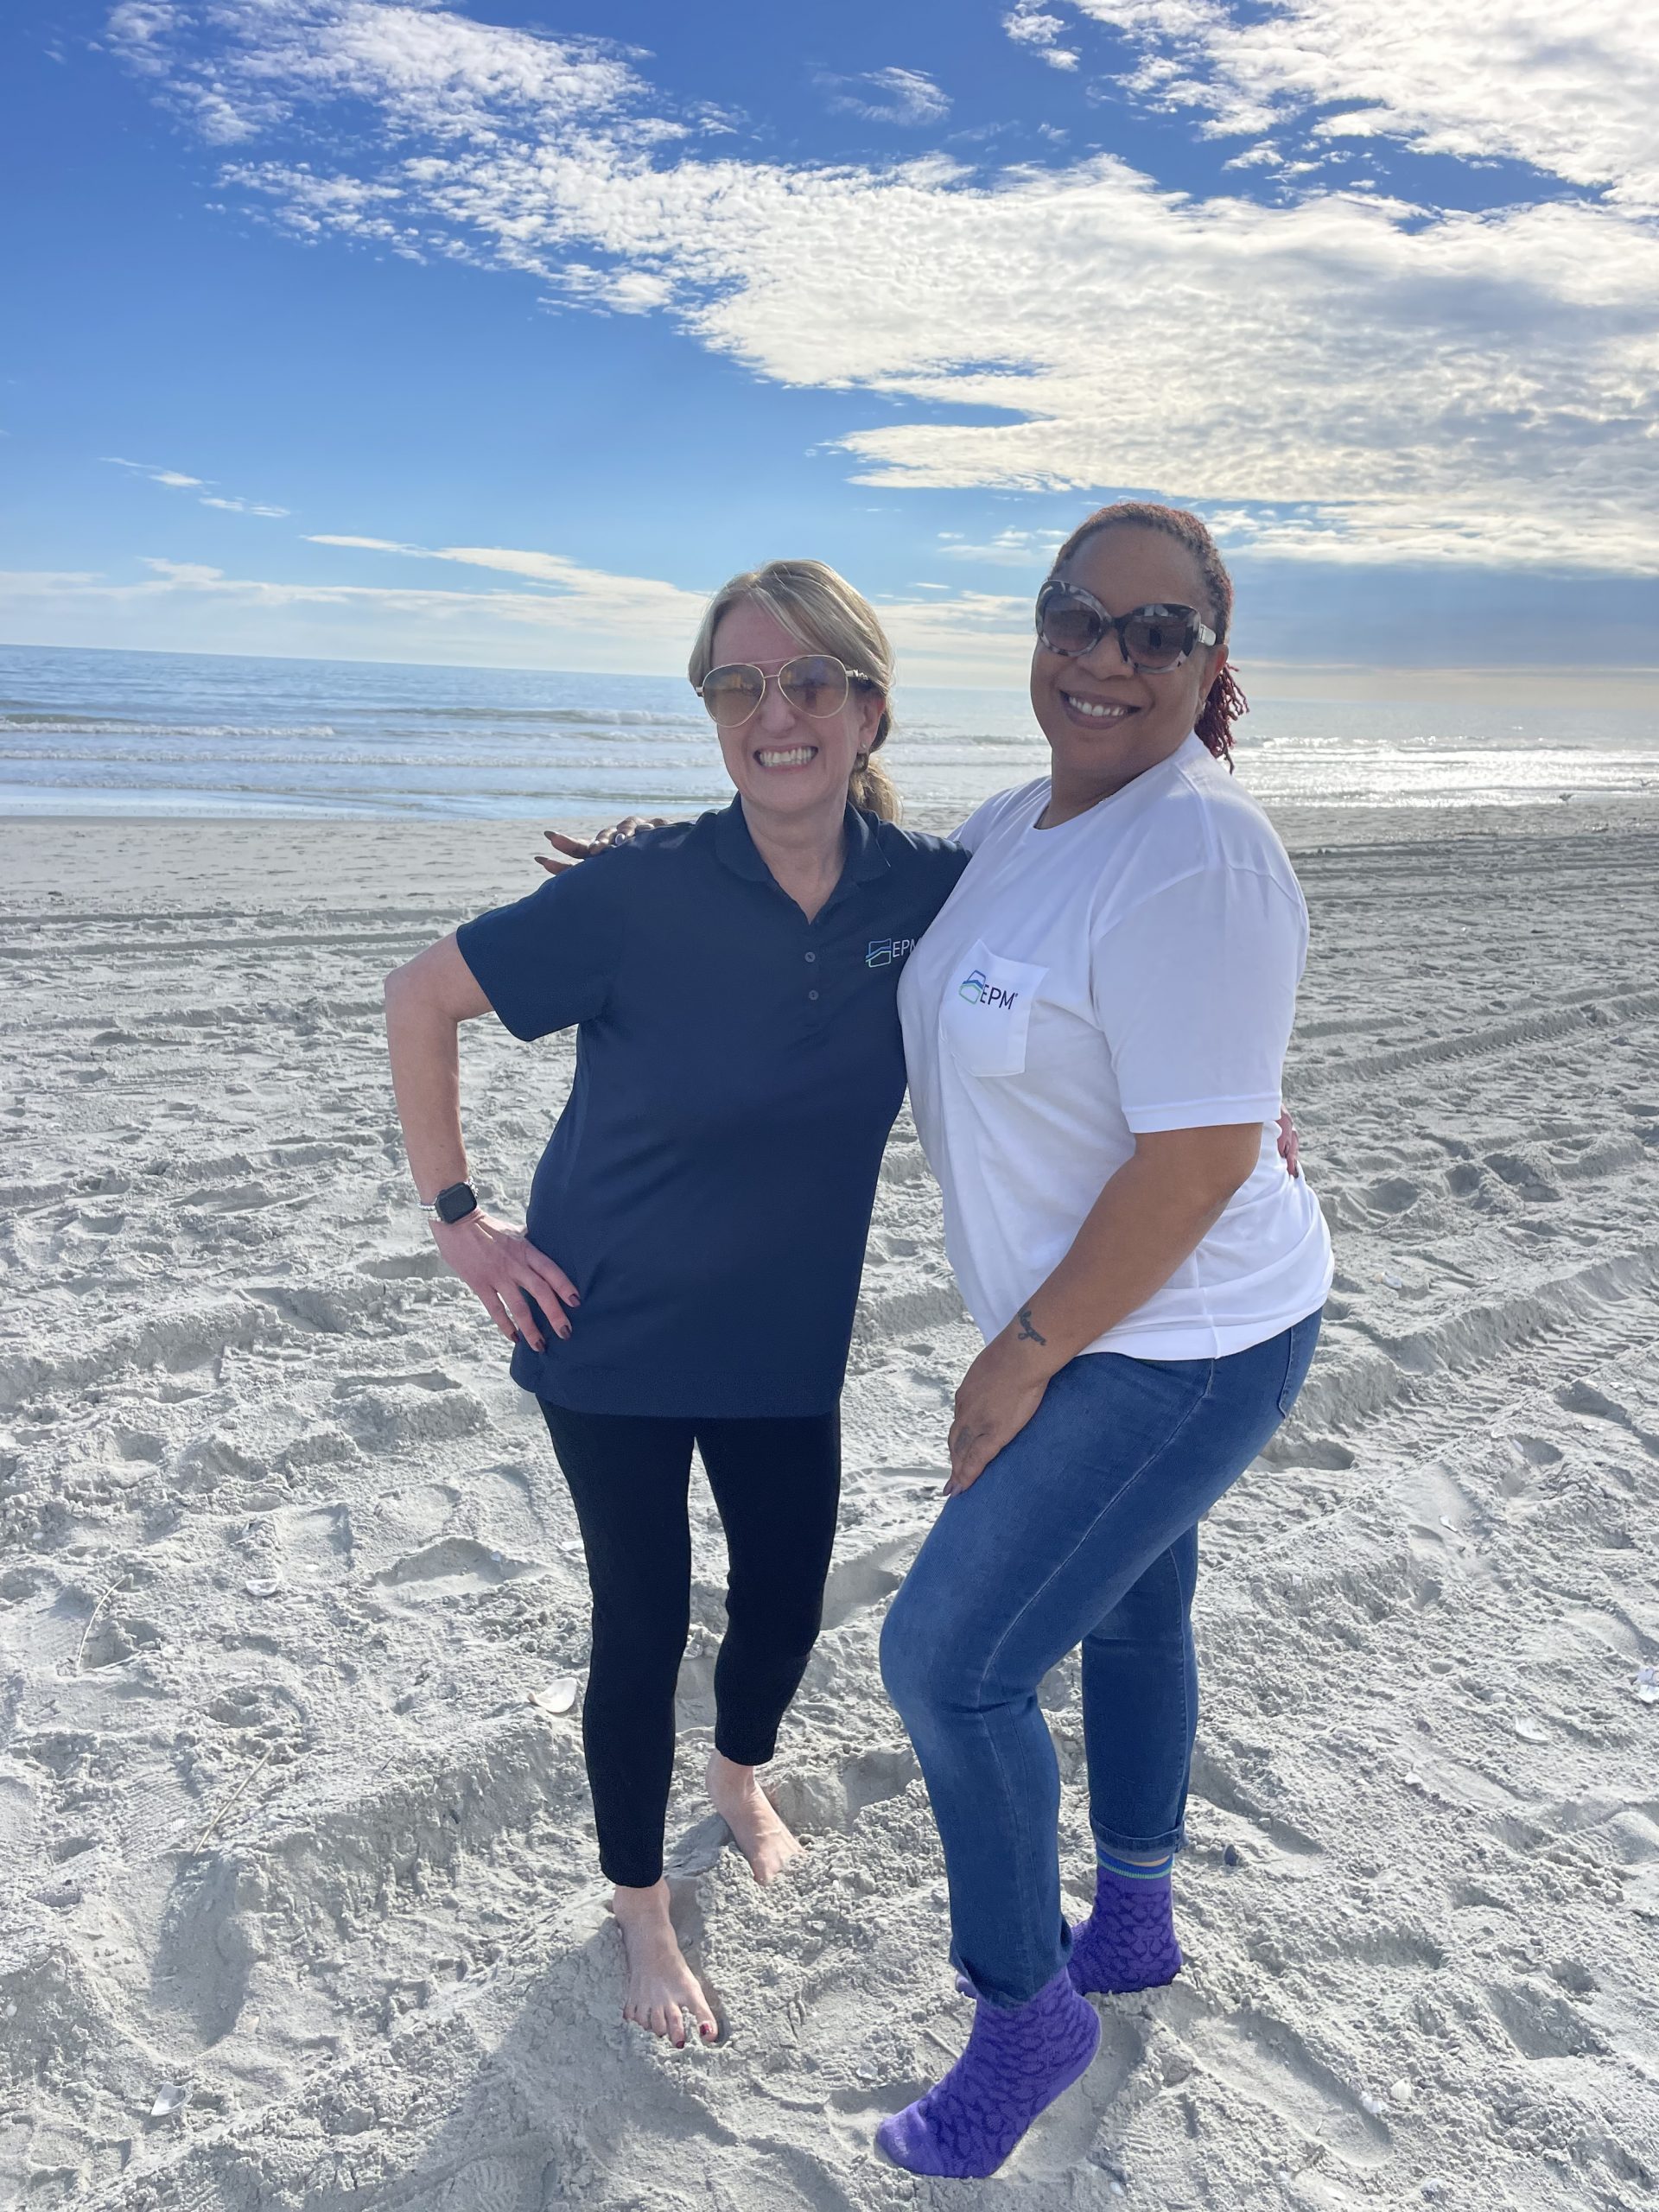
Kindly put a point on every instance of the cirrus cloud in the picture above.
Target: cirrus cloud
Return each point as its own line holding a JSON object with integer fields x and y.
{"x": 174, "y": 479}
{"x": 903, "y": 96}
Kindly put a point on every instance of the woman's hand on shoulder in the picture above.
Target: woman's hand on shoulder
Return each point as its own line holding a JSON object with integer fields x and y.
{"x": 583, "y": 848}
{"x": 504, "y": 1270}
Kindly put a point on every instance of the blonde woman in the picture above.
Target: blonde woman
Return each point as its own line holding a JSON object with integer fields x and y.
{"x": 689, "y": 1268}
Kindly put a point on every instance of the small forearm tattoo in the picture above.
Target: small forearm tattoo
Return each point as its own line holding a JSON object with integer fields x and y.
{"x": 1030, "y": 1334}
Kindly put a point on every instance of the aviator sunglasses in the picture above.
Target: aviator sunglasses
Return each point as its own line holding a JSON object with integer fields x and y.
{"x": 813, "y": 684}
{"x": 1153, "y": 639}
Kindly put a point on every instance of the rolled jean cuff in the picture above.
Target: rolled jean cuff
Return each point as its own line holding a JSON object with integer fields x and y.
{"x": 1001, "y": 2000}
{"x": 1122, "y": 1845}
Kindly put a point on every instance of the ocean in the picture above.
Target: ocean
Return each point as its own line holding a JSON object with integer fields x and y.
{"x": 88, "y": 732}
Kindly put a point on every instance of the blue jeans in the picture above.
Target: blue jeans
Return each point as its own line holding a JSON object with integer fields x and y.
{"x": 1082, "y": 1530}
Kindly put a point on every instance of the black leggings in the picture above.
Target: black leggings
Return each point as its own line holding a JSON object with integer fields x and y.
{"x": 777, "y": 1485}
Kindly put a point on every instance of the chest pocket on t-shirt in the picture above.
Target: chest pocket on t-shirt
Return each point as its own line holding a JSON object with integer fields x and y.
{"x": 986, "y": 1012}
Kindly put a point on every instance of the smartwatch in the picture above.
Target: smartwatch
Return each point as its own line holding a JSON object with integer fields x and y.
{"x": 452, "y": 1204}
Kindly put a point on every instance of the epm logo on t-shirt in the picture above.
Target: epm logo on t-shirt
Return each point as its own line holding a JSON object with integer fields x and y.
{"x": 884, "y": 950}
{"x": 978, "y": 991}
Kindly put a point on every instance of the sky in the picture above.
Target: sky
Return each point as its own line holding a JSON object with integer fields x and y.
{"x": 415, "y": 332}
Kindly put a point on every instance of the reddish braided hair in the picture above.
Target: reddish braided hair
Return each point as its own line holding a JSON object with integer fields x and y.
{"x": 1224, "y": 702}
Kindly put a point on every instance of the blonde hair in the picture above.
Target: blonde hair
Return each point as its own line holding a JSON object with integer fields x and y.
{"x": 823, "y": 610}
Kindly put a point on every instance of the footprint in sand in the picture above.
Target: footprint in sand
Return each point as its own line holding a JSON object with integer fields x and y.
{"x": 826, "y": 1801}
{"x": 455, "y": 1567}
{"x": 1265, "y": 2060}
{"x": 855, "y": 1585}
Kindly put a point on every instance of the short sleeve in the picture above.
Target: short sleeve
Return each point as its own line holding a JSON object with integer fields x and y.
{"x": 973, "y": 829}
{"x": 1195, "y": 990}
{"x": 995, "y": 810}
{"x": 546, "y": 961}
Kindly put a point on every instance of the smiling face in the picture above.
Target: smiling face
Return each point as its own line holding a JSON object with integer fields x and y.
{"x": 782, "y": 760}
{"x": 1106, "y": 722}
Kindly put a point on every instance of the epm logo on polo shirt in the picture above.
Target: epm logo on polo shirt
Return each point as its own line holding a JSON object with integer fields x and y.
{"x": 884, "y": 950}
{"x": 979, "y": 991}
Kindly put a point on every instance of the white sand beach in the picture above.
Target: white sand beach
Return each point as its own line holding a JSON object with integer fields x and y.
{"x": 287, "y": 1843}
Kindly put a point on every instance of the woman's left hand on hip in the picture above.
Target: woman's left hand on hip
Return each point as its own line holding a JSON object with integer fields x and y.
{"x": 1290, "y": 1149}
{"x": 995, "y": 1399}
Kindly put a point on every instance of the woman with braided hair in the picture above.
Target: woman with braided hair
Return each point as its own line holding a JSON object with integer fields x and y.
{"x": 1094, "y": 1028}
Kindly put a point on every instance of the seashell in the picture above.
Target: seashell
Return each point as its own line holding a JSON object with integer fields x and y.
{"x": 264, "y": 1586}
{"x": 170, "y": 2099}
{"x": 556, "y": 1696}
{"x": 1646, "y": 1685}
{"x": 1531, "y": 1733}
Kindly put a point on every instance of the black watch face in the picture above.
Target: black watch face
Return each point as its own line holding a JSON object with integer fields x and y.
{"x": 456, "y": 1203}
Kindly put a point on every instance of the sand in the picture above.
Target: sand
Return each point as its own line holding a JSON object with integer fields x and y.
{"x": 282, "y": 1832}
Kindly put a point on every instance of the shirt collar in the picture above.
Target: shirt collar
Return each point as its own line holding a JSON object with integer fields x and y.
{"x": 865, "y": 861}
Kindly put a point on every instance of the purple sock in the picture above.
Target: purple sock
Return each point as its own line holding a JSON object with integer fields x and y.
{"x": 1019, "y": 2059}
{"x": 1127, "y": 1942}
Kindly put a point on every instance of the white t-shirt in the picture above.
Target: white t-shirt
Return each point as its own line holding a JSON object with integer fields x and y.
{"x": 1134, "y": 969}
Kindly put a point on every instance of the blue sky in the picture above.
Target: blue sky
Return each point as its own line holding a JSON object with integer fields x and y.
{"x": 417, "y": 333}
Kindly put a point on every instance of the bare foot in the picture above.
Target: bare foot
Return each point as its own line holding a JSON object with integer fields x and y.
{"x": 751, "y": 1817}
{"x": 662, "y": 1988}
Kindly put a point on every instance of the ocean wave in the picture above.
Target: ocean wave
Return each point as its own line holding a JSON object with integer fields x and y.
{"x": 101, "y": 730}
{"x": 387, "y": 760}
{"x": 605, "y": 717}
{"x": 49, "y": 725}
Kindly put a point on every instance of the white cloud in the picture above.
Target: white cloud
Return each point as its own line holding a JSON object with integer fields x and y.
{"x": 564, "y": 615}
{"x": 903, "y": 96}
{"x": 969, "y": 637}
{"x": 174, "y": 479}
{"x": 567, "y": 595}
{"x": 1572, "y": 93}
{"x": 1030, "y": 25}
{"x": 248, "y": 66}
{"x": 1031, "y": 550}
{"x": 614, "y": 600}
{"x": 1363, "y": 379}
{"x": 186, "y": 573}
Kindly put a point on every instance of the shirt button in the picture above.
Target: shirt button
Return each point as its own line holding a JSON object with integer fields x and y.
{"x": 812, "y": 956}
{"x": 812, "y": 995}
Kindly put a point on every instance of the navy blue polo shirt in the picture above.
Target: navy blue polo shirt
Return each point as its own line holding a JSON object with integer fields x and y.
{"x": 708, "y": 1185}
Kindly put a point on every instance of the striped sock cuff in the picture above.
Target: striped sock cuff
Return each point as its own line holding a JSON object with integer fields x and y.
{"x": 1128, "y": 1870}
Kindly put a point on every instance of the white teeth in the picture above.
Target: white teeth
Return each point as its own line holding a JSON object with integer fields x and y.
{"x": 1097, "y": 710}
{"x": 796, "y": 757}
